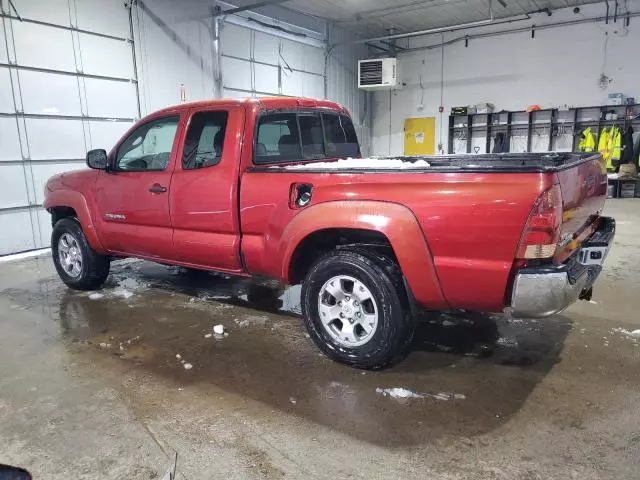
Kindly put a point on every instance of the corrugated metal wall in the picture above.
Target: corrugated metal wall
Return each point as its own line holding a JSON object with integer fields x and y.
{"x": 342, "y": 82}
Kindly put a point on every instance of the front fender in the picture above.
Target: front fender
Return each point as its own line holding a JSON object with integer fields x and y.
{"x": 395, "y": 221}
{"x": 77, "y": 201}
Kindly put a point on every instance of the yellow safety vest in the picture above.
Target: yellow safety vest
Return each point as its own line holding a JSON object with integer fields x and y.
{"x": 587, "y": 142}
{"x": 616, "y": 143}
{"x": 609, "y": 145}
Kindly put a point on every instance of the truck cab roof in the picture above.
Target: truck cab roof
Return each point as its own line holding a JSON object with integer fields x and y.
{"x": 266, "y": 103}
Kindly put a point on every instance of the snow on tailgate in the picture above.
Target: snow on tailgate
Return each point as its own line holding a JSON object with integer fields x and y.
{"x": 364, "y": 163}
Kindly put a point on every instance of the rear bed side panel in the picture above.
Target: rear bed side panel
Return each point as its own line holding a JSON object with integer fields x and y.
{"x": 472, "y": 222}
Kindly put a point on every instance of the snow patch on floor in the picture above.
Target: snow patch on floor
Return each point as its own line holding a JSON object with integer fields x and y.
{"x": 218, "y": 329}
{"x": 398, "y": 392}
{"x": 507, "y": 342}
{"x": 447, "y": 396}
{"x": 403, "y": 393}
{"x": 122, "y": 293}
{"x": 96, "y": 296}
{"x": 628, "y": 333}
{"x": 132, "y": 284}
{"x": 363, "y": 163}
{"x": 252, "y": 320}
{"x": 21, "y": 256}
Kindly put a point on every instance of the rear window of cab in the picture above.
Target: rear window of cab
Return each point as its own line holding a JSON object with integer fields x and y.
{"x": 300, "y": 136}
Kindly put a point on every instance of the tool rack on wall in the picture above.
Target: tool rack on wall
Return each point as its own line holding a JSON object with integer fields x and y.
{"x": 539, "y": 130}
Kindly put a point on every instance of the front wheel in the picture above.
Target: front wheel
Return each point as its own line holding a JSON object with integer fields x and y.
{"x": 78, "y": 265}
{"x": 355, "y": 308}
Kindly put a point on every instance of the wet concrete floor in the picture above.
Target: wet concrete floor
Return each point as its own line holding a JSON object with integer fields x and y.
{"x": 98, "y": 385}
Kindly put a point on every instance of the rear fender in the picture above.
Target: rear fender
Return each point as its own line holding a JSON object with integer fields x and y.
{"x": 77, "y": 201}
{"x": 394, "y": 221}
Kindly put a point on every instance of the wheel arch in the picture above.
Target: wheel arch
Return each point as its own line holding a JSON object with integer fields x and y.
{"x": 384, "y": 224}
{"x": 66, "y": 203}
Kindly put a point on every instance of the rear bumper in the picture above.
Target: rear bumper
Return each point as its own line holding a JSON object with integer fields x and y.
{"x": 544, "y": 291}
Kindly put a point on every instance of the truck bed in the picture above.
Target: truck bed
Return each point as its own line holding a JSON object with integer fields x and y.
{"x": 490, "y": 162}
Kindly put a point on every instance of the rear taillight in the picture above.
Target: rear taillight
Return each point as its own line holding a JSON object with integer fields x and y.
{"x": 542, "y": 230}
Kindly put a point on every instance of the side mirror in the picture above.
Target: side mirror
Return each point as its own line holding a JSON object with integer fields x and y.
{"x": 97, "y": 159}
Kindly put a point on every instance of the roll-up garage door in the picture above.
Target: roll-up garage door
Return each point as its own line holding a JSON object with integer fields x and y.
{"x": 67, "y": 85}
{"x": 257, "y": 63}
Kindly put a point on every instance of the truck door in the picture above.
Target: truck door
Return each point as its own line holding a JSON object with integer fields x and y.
{"x": 133, "y": 198}
{"x": 204, "y": 190}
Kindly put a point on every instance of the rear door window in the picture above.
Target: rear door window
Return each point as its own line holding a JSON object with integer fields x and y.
{"x": 311, "y": 133}
{"x": 340, "y": 136}
{"x": 289, "y": 137}
{"x": 205, "y": 140}
{"x": 278, "y": 138}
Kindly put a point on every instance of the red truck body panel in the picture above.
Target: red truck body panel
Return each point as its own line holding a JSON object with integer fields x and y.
{"x": 472, "y": 222}
{"x": 455, "y": 234}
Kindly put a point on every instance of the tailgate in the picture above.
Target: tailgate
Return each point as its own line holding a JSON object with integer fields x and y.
{"x": 584, "y": 190}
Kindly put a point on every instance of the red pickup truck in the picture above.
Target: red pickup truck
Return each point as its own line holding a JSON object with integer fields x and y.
{"x": 255, "y": 187}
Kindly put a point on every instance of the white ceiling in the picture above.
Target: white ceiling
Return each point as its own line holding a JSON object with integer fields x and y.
{"x": 375, "y": 17}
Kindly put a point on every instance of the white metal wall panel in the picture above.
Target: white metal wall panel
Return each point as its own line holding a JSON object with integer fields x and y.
{"x": 17, "y": 232}
{"x": 292, "y": 83}
{"x": 105, "y": 56}
{"x": 42, "y": 226}
{"x": 272, "y": 65}
{"x": 227, "y": 93}
{"x": 235, "y": 41}
{"x": 293, "y": 54}
{"x": 55, "y": 139}
{"x": 106, "y": 98}
{"x": 6, "y": 93}
{"x": 43, "y": 171}
{"x": 103, "y": 16}
{"x": 236, "y": 73}
{"x": 9, "y": 141}
{"x": 61, "y": 98}
{"x": 48, "y": 73}
{"x": 51, "y": 11}
{"x": 312, "y": 59}
{"x": 44, "y": 47}
{"x": 266, "y": 78}
{"x": 312, "y": 86}
{"x": 3, "y": 50}
{"x": 266, "y": 48}
{"x": 14, "y": 189}
{"x": 106, "y": 134}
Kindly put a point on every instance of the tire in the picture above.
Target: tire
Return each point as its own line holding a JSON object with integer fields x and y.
{"x": 92, "y": 269}
{"x": 381, "y": 278}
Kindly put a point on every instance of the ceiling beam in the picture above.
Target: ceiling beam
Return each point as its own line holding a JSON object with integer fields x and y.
{"x": 394, "y": 46}
{"x": 252, "y": 6}
{"x": 377, "y": 47}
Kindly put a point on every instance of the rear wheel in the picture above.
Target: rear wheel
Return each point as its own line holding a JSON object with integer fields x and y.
{"x": 355, "y": 308}
{"x": 78, "y": 265}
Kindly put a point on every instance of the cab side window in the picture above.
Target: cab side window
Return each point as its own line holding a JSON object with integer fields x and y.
{"x": 148, "y": 148}
{"x": 304, "y": 135}
{"x": 278, "y": 138}
{"x": 205, "y": 140}
{"x": 340, "y": 136}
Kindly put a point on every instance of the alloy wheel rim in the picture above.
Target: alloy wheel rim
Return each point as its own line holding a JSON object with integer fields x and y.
{"x": 348, "y": 311}
{"x": 70, "y": 255}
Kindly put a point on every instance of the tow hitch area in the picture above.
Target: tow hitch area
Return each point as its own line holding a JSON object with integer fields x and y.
{"x": 586, "y": 294}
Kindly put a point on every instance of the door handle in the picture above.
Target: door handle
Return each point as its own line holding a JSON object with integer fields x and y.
{"x": 157, "y": 188}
